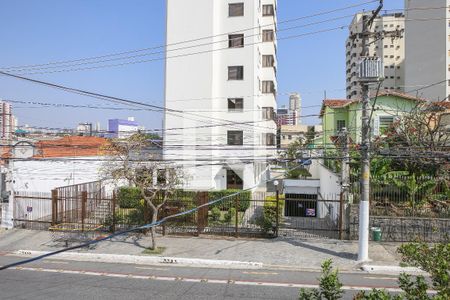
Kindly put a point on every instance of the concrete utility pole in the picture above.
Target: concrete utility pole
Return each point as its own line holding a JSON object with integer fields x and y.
{"x": 345, "y": 177}
{"x": 363, "y": 249}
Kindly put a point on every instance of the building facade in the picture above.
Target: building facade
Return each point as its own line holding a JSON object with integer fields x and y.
{"x": 342, "y": 113}
{"x": 295, "y": 105}
{"x": 118, "y": 128}
{"x": 428, "y": 48}
{"x": 7, "y": 122}
{"x": 220, "y": 91}
{"x": 286, "y": 116}
{"x": 391, "y": 51}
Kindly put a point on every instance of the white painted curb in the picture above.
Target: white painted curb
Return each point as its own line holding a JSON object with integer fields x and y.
{"x": 144, "y": 260}
{"x": 395, "y": 270}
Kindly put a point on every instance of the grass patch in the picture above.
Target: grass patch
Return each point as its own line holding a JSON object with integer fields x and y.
{"x": 157, "y": 251}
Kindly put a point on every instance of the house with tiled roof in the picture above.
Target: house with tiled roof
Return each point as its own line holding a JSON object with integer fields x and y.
{"x": 387, "y": 108}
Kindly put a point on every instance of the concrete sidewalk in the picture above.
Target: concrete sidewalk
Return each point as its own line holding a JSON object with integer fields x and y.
{"x": 281, "y": 252}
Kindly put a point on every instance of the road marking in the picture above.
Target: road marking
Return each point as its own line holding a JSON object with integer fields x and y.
{"x": 380, "y": 278}
{"x": 55, "y": 262}
{"x": 203, "y": 280}
{"x": 150, "y": 268}
{"x": 260, "y": 273}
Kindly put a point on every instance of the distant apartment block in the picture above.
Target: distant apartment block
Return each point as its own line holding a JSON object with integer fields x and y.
{"x": 227, "y": 91}
{"x": 295, "y": 105}
{"x": 391, "y": 51}
{"x": 118, "y": 128}
{"x": 428, "y": 48}
{"x": 285, "y": 116}
{"x": 8, "y": 122}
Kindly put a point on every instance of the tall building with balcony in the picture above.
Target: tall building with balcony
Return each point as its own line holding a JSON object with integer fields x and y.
{"x": 220, "y": 91}
{"x": 390, "y": 50}
{"x": 428, "y": 48}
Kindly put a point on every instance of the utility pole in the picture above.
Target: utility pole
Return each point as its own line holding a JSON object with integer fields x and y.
{"x": 345, "y": 178}
{"x": 365, "y": 79}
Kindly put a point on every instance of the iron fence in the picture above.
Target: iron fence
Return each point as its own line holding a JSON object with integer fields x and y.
{"x": 406, "y": 196}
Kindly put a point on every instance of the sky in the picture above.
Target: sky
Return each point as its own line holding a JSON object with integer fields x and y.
{"x": 38, "y": 32}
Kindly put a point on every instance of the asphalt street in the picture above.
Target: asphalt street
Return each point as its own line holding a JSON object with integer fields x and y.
{"x": 53, "y": 279}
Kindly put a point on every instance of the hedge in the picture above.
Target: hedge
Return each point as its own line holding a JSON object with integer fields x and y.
{"x": 129, "y": 197}
{"x": 244, "y": 199}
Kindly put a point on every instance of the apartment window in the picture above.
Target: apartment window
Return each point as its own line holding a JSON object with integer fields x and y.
{"x": 235, "y": 41}
{"x": 235, "y": 104}
{"x": 385, "y": 46}
{"x": 289, "y": 137}
{"x": 236, "y": 73}
{"x": 267, "y": 87}
{"x": 268, "y": 61}
{"x": 392, "y": 46}
{"x": 235, "y": 137}
{"x": 340, "y": 124}
{"x": 236, "y": 9}
{"x": 268, "y": 10}
{"x": 268, "y": 35}
{"x": 267, "y": 113}
{"x": 270, "y": 139}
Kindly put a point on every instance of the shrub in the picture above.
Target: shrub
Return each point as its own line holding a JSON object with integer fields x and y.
{"x": 268, "y": 219}
{"x": 128, "y": 197}
{"x": 433, "y": 259}
{"x": 215, "y": 214}
{"x": 298, "y": 173}
{"x": 330, "y": 288}
{"x": 230, "y": 215}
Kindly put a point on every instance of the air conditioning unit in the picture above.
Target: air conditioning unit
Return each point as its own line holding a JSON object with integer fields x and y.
{"x": 370, "y": 69}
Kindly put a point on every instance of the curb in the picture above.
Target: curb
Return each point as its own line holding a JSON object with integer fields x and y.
{"x": 394, "y": 270}
{"x": 144, "y": 260}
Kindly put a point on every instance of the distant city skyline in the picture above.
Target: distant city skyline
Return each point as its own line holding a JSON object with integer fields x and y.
{"x": 45, "y": 32}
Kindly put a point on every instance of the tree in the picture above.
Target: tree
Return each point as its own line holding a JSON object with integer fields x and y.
{"x": 156, "y": 180}
{"x": 418, "y": 142}
{"x": 294, "y": 152}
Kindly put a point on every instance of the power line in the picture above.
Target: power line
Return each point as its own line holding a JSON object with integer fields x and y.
{"x": 192, "y": 40}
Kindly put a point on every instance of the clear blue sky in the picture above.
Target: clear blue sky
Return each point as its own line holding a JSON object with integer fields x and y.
{"x": 35, "y": 32}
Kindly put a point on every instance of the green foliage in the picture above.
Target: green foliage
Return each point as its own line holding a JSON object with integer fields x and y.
{"x": 267, "y": 220}
{"x": 243, "y": 199}
{"x": 297, "y": 173}
{"x": 230, "y": 215}
{"x": 413, "y": 290}
{"x": 414, "y": 188}
{"x": 433, "y": 259}
{"x": 215, "y": 214}
{"x": 129, "y": 197}
{"x": 374, "y": 295}
{"x": 330, "y": 287}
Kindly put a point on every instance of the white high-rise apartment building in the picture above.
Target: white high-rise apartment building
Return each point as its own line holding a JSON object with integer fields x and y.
{"x": 391, "y": 51}
{"x": 295, "y": 105}
{"x": 220, "y": 91}
{"x": 428, "y": 48}
{"x": 7, "y": 122}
